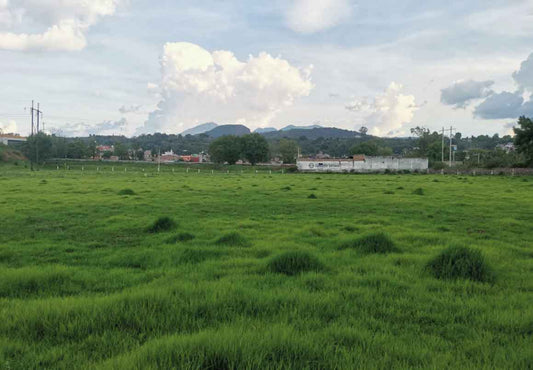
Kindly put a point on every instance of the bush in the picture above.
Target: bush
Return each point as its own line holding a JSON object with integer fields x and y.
{"x": 418, "y": 191}
{"x": 126, "y": 192}
{"x": 233, "y": 239}
{"x": 372, "y": 243}
{"x": 293, "y": 263}
{"x": 292, "y": 169}
{"x": 181, "y": 237}
{"x": 460, "y": 263}
{"x": 162, "y": 224}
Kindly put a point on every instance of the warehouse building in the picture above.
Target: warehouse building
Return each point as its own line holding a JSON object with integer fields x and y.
{"x": 362, "y": 164}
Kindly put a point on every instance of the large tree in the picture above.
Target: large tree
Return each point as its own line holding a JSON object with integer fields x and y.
{"x": 39, "y": 147}
{"x": 254, "y": 148}
{"x": 523, "y": 139}
{"x": 288, "y": 150}
{"x": 226, "y": 149}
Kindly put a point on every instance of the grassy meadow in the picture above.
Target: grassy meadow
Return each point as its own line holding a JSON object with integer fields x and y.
{"x": 260, "y": 270}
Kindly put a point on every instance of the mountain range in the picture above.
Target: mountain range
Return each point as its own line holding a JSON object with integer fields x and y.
{"x": 292, "y": 132}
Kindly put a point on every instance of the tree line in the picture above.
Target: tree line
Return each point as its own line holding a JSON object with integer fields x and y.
{"x": 474, "y": 151}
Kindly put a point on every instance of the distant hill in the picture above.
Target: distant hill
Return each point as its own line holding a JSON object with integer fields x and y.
{"x": 223, "y": 130}
{"x": 313, "y": 133}
{"x": 200, "y": 129}
{"x": 265, "y": 130}
{"x": 292, "y": 127}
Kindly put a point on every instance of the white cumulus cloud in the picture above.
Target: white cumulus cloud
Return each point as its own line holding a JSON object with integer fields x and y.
{"x": 309, "y": 16}
{"x": 200, "y": 86}
{"x": 8, "y": 127}
{"x": 66, "y": 22}
{"x": 387, "y": 113}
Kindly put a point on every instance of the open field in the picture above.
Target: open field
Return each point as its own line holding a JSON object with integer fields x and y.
{"x": 85, "y": 284}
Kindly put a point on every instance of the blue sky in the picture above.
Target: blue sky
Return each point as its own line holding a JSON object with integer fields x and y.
{"x": 135, "y": 66}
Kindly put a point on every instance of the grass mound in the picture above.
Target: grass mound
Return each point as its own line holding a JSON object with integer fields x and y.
{"x": 162, "y": 224}
{"x": 233, "y": 239}
{"x": 418, "y": 191}
{"x": 126, "y": 192}
{"x": 312, "y": 196}
{"x": 372, "y": 243}
{"x": 293, "y": 263}
{"x": 181, "y": 237}
{"x": 460, "y": 263}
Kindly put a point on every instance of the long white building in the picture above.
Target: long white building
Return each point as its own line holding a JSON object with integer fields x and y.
{"x": 361, "y": 163}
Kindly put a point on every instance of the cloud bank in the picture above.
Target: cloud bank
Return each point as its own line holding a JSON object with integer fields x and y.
{"x": 66, "y": 22}
{"x": 85, "y": 129}
{"x": 200, "y": 86}
{"x": 461, "y": 93}
{"x": 309, "y": 16}
{"x": 387, "y": 113}
{"x": 511, "y": 104}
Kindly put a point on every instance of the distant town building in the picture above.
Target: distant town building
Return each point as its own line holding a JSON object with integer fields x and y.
{"x": 361, "y": 163}
{"x": 169, "y": 157}
{"x": 9, "y": 139}
{"x": 148, "y": 155}
{"x": 507, "y": 148}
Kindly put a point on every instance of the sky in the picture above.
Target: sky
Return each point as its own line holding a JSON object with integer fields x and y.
{"x": 129, "y": 67}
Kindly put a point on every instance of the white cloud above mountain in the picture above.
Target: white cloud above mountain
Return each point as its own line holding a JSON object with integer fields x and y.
{"x": 387, "y": 113}
{"x": 200, "y": 86}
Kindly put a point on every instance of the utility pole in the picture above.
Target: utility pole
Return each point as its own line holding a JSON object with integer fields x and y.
{"x": 451, "y": 133}
{"x": 35, "y": 128}
{"x": 442, "y": 157}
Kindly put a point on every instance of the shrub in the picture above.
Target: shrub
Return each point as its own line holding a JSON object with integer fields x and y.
{"x": 372, "y": 243}
{"x": 293, "y": 263}
{"x": 418, "y": 191}
{"x": 126, "y": 192}
{"x": 233, "y": 239}
{"x": 292, "y": 169}
{"x": 162, "y": 224}
{"x": 312, "y": 196}
{"x": 181, "y": 237}
{"x": 460, "y": 263}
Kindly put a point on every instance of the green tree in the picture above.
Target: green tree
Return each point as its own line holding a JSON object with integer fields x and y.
{"x": 254, "y": 148}
{"x": 92, "y": 150}
{"x": 226, "y": 149}
{"x": 121, "y": 151}
{"x": 288, "y": 150}
{"x": 77, "y": 149}
{"x": 371, "y": 148}
{"x": 39, "y": 147}
{"x": 524, "y": 138}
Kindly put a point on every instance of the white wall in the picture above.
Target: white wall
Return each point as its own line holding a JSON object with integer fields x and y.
{"x": 370, "y": 164}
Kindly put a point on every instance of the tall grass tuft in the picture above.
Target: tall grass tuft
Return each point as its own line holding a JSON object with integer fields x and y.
{"x": 372, "y": 243}
{"x": 126, "y": 192}
{"x": 233, "y": 239}
{"x": 293, "y": 263}
{"x": 162, "y": 224}
{"x": 460, "y": 263}
{"x": 418, "y": 191}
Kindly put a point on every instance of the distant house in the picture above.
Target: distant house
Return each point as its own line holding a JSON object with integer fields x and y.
{"x": 169, "y": 157}
{"x": 507, "y": 148}
{"x": 148, "y": 155}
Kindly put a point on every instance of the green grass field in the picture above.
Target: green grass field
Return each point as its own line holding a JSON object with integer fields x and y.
{"x": 88, "y": 281}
